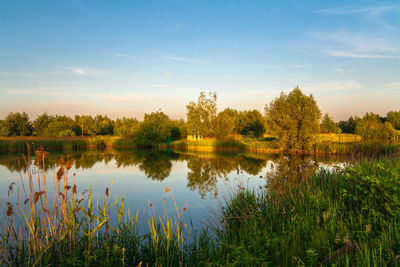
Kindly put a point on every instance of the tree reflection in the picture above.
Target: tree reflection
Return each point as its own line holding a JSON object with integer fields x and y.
{"x": 204, "y": 168}
{"x": 205, "y": 171}
{"x": 289, "y": 170}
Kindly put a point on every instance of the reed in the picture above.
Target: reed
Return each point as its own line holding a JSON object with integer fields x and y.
{"x": 58, "y": 226}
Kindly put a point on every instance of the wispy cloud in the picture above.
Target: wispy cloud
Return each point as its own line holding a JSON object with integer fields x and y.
{"x": 351, "y": 54}
{"x": 335, "y": 86}
{"x": 121, "y": 55}
{"x": 179, "y": 59}
{"x": 286, "y": 66}
{"x": 82, "y": 71}
{"x": 350, "y": 44}
{"x": 377, "y": 10}
{"x": 180, "y": 88}
{"x": 393, "y": 85}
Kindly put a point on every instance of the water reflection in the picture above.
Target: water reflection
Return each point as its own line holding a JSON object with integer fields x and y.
{"x": 203, "y": 169}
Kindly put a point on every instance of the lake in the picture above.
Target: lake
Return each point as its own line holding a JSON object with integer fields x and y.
{"x": 199, "y": 181}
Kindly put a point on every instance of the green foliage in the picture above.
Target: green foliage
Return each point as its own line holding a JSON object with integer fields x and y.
{"x": 294, "y": 118}
{"x": 328, "y": 125}
{"x": 349, "y": 126}
{"x": 394, "y": 118}
{"x": 248, "y": 122}
{"x": 374, "y": 189}
{"x": 155, "y": 129}
{"x": 16, "y": 124}
{"x": 223, "y": 125}
{"x": 371, "y": 127}
{"x": 178, "y": 130}
{"x": 201, "y": 115}
{"x": 126, "y": 127}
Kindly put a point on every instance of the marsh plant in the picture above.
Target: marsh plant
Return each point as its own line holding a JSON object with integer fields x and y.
{"x": 60, "y": 226}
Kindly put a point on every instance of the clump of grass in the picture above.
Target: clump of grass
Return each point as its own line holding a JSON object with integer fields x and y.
{"x": 331, "y": 218}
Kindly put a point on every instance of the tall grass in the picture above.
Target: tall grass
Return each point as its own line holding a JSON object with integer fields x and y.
{"x": 333, "y": 218}
{"x": 57, "y": 226}
{"x": 74, "y": 143}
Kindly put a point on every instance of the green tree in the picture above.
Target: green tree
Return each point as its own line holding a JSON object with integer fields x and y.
{"x": 201, "y": 115}
{"x": 251, "y": 123}
{"x": 178, "y": 130}
{"x": 3, "y": 129}
{"x": 155, "y": 129}
{"x": 223, "y": 125}
{"x": 126, "y": 127}
{"x": 328, "y": 125}
{"x": 394, "y": 118}
{"x": 349, "y": 126}
{"x": 17, "y": 124}
{"x": 369, "y": 126}
{"x": 294, "y": 118}
{"x": 40, "y": 124}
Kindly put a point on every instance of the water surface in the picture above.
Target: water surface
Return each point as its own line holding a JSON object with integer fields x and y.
{"x": 198, "y": 181}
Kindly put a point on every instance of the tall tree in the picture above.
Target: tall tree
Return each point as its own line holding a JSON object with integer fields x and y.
{"x": 251, "y": 123}
{"x": 328, "y": 125}
{"x": 394, "y": 118}
{"x": 223, "y": 125}
{"x": 349, "y": 126}
{"x": 17, "y": 124}
{"x": 201, "y": 115}
{"x": 294, "y": 118}
{"x": 155, "y": 129}
{"x": 126, "y": 127}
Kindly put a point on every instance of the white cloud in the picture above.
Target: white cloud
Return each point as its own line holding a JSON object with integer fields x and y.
{"x": 356, "y": 10}
{"x": 350, "y": 44}
{"x": 174, "y": 58}
{"x": 122, "y": 55}
{"x": 393, "y": 85}
{"x": 351, "y": 54}
{"x": 82, "y": 71}
{"x": 335, "y": 86}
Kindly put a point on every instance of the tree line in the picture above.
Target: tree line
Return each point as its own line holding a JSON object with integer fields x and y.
{"x": 294, "y": 118}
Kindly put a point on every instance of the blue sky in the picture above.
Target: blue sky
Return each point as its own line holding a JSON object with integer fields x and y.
{"x": 127, "y": 58}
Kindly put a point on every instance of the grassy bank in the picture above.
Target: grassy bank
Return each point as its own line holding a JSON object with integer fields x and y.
{"x": 19, "y": 144}
{"x": 334, "y": 217}
{"x": 325, "y": 145}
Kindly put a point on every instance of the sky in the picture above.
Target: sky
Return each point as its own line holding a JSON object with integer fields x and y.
{"x": 127, "y": 58}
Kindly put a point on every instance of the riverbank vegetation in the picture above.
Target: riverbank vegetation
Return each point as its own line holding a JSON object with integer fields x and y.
{"x": 334, "y": 216}
{"x": 293, "y": 121}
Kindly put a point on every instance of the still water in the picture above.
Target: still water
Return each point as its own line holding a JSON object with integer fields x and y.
{"x": 199, "y": 181}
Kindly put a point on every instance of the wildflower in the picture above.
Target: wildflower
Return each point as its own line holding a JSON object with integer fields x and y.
{"x": 167, "y": 189}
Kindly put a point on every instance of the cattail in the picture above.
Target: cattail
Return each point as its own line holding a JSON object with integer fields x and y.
{"x": 61, "y": 161}
{"x": 36, "y": 196}
{"x": 107, "y": 191}
{"x": 10, "y": 187}
{"x": 74, "y": 189}
{"x": 60, "y": 173}
{"x": 26, "y": 201}
{"x": 69, "y": 164}
{"x": 10, "y": 210}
